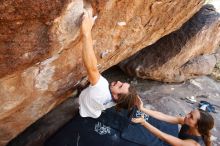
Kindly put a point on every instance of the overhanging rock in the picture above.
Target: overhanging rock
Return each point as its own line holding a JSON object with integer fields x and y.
{"x": 181, "y": 55}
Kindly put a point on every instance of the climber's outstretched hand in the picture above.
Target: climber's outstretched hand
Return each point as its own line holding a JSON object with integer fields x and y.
{"x": 87, "y": 22}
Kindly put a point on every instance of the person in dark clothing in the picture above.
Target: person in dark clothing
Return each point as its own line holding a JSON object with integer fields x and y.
{"x": 195, "y": 130}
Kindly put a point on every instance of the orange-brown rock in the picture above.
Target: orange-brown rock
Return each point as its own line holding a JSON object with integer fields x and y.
{"x": 40, "y": 48}
{"x": 183, "y": 54}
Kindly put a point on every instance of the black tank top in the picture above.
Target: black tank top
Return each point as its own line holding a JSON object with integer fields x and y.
{"x": 183, "y": 135}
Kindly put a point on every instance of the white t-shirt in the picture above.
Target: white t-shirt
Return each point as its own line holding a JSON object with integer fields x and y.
{"x": 95, "y": 98}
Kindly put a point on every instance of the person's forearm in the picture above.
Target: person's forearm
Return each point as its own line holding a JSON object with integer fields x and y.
{"x": 163, "y": 136}
{"x": 161, "y": 116}
{"x": 88, "y": 53}
{"x": 155, "y": 114}
{"x": 153, "y": 130}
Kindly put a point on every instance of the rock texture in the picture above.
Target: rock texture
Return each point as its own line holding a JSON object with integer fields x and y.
{"x": 216, "y": 71}
{"x": 183, "y": 54}
{"x": 40, "y": 54}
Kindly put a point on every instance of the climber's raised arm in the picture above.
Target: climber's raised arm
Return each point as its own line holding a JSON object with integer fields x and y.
{"x": 88, "y": 53}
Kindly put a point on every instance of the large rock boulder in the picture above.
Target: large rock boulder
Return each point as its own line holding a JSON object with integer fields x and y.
{"x": 183, "y": 54}
{"x": 40, "y": 48}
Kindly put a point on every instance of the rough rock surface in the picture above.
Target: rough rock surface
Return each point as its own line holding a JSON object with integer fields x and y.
{"x": 40, "y": 48}
{"x": 216, "y": 71}
{"x": 183, "y": 54}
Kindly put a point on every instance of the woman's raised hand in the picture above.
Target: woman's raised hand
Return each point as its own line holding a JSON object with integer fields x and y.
{"x": 140, "y": 104}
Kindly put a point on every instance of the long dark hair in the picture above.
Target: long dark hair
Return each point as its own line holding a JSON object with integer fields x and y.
{"x": 127, "y": 101}
{"x": 205, "y": 124}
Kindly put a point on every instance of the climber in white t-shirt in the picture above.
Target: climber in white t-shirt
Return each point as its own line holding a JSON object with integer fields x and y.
{"x": 99, "y": 95}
